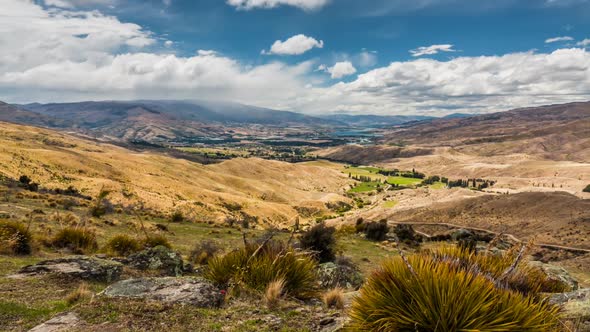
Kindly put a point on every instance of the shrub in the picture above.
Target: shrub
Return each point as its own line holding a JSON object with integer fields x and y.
{"x": 377, "y": 231}
{"x": 320, "y": 239}
{"x": 15, "y": 238}
{"x": 360, "y": 225}
{"x": 273, "y": 293}
{"x": 177, "y": 216}
{"x": 587, "y": 189}
{"x": 77, "y": 239}
{"x": 202, "y": 252}
{"x": 101, "y": 204}
{"x": 334, "y": 298}
{"x": 123, "y": 245}
{"x": 450, "y": 290}
{"x": 154, "y": 241}
{"x": 256, "y": 266}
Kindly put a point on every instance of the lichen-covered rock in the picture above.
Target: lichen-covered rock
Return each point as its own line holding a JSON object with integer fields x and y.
{"x": 557, "y": 273}
{"x": 332, "y": 275}
{"x": 194, "y": 291}
{"x": 157, "y": 258}
{"x": 82, "y": 267}
{"x": 575, "y": 307}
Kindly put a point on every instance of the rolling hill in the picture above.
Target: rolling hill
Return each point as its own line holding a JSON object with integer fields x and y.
{"x": 269, "y": 190}
{"x": 555, "y": 132}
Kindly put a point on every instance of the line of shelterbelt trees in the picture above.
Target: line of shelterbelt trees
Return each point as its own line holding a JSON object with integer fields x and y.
{"x": 463, "y": 183}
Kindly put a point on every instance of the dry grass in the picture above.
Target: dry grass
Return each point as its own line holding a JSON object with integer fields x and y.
{"x": 79, "y": 294}
{"x": 334, "y": 298}
{"x": 273, "y": 293}
{"x": 162, "y": 182}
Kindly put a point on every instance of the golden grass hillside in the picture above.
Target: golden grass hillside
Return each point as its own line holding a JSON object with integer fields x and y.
{"x": 266, "y": 189}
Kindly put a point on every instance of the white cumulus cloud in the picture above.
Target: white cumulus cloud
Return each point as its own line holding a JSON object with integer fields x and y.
{"x": 558, "y": 39}
{"x": 584, "y": 42}
{"x": 341, "y": 69}
{"x": 432, "y": 49}
{"x": 303, "y": 4}
{"x": 295, "y": 45}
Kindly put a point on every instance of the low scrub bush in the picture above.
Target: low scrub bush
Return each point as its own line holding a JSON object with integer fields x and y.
{"x": 123, "y": 245}
{"x": 587, "y": 189}
{"x": 153, "y": 241}
{"x": 377, "y": 231}
{"x": 101, "y": 205}
{"x": 203, "y": 251}
{"x": 453, "y": 290}
{"x": 257, "y": 265}
{"x": 320, "y": 240}
{"x": 77, "y": 239}
{"x": 15, "y": 238}
{"x": 177, "y": 216}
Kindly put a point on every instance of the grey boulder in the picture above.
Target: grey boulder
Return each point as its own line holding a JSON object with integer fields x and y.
{"x": 81, "y": 267}
{"x": 193, "y": 291}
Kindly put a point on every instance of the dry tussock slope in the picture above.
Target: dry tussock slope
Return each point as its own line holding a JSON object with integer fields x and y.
{"x": 556, "y": 218}
{"x": 267, "y": 189}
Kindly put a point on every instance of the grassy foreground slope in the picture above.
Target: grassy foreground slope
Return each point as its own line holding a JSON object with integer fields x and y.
{"x": 268, "y": 190}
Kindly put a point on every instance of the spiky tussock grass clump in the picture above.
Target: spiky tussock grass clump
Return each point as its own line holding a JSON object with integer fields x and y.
{"x": 273, "y": 293}
{"x": 428, "y": 293}
{"x": 523, "y": 278}
{"x": 122, "y": 245}
{"x": 15, "y": 238}
{"x": 334, "y": 298}
{"x": 257, "y": 265}
{"x": 77, "y": 239}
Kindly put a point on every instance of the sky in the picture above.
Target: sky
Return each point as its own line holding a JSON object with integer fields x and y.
{"x": 388, "y": 57}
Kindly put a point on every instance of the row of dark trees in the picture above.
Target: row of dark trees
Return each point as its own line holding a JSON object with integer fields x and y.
{"x": 473, "y": 183}
{"x": 396, "y": 172}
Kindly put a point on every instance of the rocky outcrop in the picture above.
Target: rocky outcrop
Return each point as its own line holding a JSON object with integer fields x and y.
{"x": 157, "y": 258}
{"x": 558, "y": 274}
{"x": 81, "y": 267}
{"x": 575, "y": 307}
{"x": 332, "y": 275}
{"x": 193, "y": 291}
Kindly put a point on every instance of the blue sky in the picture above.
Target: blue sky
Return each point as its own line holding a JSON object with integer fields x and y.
{"x": 316, "y": 56}
{"x": 349, "y": 26}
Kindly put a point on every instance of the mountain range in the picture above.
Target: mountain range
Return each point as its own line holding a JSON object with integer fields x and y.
{"x": 167, "y": 120}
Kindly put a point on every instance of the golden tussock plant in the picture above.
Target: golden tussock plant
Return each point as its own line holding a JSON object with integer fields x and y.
{"x": 77, "y": 239}
{"x": 453, "y": 290}
{"x": 122, "y": 245}
{"x": 255, "y": 266}
{"x": 79, "y": 294}
{"x": 273, "y": 293}
{"x": 152, "y": 241}
{"x": 334, "y": 298}
{"x": 15, "y": 238}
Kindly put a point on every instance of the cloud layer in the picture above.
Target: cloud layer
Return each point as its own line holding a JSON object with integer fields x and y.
{"x": 63, "y": 54}
{"x": 432, "y": 49}
{"x": 303, "y": 4}
{"x": 558, "y": 39}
